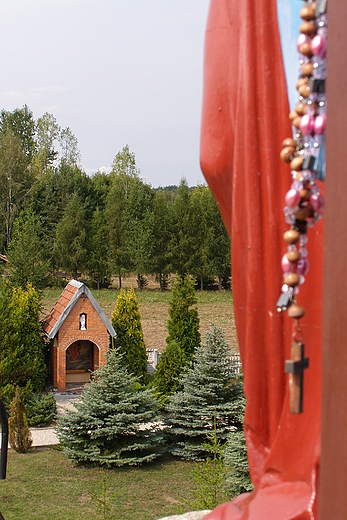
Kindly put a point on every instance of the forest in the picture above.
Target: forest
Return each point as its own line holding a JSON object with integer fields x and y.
{"x": 57, "y": 222}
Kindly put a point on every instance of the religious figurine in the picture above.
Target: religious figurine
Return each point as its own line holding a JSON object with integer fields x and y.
{"x": 83, "y": 325}
{"x": 244, "y": 121}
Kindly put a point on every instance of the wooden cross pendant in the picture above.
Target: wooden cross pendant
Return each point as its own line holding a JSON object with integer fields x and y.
{"x": 295, "y": 368}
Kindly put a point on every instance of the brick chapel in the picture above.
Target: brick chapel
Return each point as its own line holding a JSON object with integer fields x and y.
{"x": 79, "y": 333}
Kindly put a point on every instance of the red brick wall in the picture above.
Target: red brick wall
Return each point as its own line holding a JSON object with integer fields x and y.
{"x": 69, "y": 332}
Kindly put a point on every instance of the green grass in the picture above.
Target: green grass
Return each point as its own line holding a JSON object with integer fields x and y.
{"x": 43, "y": 485}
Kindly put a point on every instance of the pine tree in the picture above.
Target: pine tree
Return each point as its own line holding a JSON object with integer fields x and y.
{"x": 209, "y": 384}
{"x": 20, "y": 436}
{"x": 114, "y": 423}
{"x": 126, "y": 321}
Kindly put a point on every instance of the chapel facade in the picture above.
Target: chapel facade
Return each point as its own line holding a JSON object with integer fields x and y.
{"x": 79, "y": 333}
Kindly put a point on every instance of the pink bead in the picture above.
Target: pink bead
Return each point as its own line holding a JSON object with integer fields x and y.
{"x": 317, "y": 202}
{"x": 292, "y": 198}
{"x": 319, "y": 124}
{"x": 306, "y": 124}
{"x": 303, "y": 38}
{"x": 302, "y": 266}
{"x": 285, "y": 264}
{"x": 318, "y": 45}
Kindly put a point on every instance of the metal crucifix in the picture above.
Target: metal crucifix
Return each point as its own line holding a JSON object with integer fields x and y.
{"x": 295, "y": 368}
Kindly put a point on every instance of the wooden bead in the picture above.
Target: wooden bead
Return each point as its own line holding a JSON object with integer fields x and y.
{"x": 296, "y": 121}
{"x": 307, "y": 69}
{"x": 303, "y": 212}
{"x": 305, "y": 49}
{"x": 301, "y": 108}
{"x": 305, "y": 194}
{"x": 308, "y": 28}
{"x": 293, "y": 115}
{"x": 289, "y": 142}
{"x": 287, "y": 153}
{"x": 296, "y": 163}
{"x": 291, "y": 236}
{"x": 304, "y": 90}
{"x": 307, "y": 13}
{"x": 300, "y": 82}
{"x": 293, "y": 256}
{"x": 296, "y": 311}
{"x": 292, "y": 279}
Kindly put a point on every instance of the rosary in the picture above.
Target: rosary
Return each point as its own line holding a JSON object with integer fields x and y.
{"x": 303, "y": 202}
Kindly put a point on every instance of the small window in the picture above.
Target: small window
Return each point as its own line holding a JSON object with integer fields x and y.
{"x": 83, "y": 321}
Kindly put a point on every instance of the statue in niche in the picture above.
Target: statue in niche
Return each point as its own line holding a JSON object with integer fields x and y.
{"x": 83, "y": 321}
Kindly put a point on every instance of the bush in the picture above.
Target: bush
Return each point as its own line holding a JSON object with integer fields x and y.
{"x": 126, "y": 321}
{"x": 115, "y": 423}
{"x": 183, "y": 324}
{"x": 167, "y": 375}
{"x": 41, "y": 409}
{"x": 20, "y": 436}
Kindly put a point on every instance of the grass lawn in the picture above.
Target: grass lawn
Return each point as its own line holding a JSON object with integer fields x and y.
{"x": 213, "y": 307}
{"x": 43, "y": 485}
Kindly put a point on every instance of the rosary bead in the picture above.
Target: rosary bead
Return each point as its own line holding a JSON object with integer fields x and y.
{"x": 302, "y": 266}
{"x": 307, "y": 69}
{"x": 296, "y": 122}
{"x": 301, "y": 109}
{"x": 306, "y": 124}
{"x": 287, "y": 153}
{"x": 317, "y": 202}
{"x": 292, "y": 115}
{"x": 319, "y": 124}
{"x": 300, "y": 82}
{"x": 318, "y": 45}
{"x": 303, "y": 212}
{"x": 292, "y": 198}
{"x": 307, "y": 13}
{"x": 293, "y": 256}
{"x": 296, "y": 311}
{"x": 296, "y": 163}
{"x": 289, "y": 142}
{"x": 305, "y": 194}
{"x": 304, "y": 90}
{"x": 292, "y": 279}
{"x": 308, "y": 28}
{"x": 302, "y": 39}
{"x": 291, "y": 236}
{"x": 305, "y": 49}
{"x": 285, "y": 264}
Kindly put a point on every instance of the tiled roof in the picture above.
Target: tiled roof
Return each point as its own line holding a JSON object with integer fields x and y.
{"x": 66, "y": 302}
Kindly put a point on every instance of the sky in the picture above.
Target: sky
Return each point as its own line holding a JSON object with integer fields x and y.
{"x": 118, "y": 72}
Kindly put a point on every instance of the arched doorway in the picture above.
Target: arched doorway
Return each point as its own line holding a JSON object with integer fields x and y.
{"x": 82, "y": 358}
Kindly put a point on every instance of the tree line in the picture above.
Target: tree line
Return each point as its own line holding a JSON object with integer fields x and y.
{"x": 55, "y": 218}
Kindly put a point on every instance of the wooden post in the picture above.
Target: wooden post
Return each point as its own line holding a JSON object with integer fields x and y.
{"x": 332, "y": 496}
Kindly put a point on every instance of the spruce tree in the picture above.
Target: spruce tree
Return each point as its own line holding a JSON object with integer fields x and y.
{"x": 209, "y": 384}
{"x": 126, "y": 320}
{"x": 115, "y": 422}
{"x": 235, "y": 460}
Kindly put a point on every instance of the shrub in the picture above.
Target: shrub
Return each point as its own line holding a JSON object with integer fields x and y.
{"x": 183, "y": 324}
{"x": 126, "y": 321}
{"x": 20, "y": 436}
{"x": 41, "y": 409}
{"x": 167, "y": 375}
